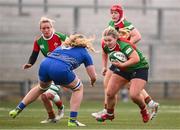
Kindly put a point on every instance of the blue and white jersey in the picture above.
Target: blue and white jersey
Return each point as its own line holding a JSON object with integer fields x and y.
{"x": 72, "y": 56}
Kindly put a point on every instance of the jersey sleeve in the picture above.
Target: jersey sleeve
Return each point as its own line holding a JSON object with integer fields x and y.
{"x": 128, "y": 25}
{"x": 87, "y": 59}
{"x": 102, "y": 45}
{"x": 62, "y": 36}
{"x": 36, "y": 47}
{"x": 127, "y": 49}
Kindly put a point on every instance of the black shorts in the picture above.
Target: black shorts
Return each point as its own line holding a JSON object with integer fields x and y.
{"x": 138, "y": 73}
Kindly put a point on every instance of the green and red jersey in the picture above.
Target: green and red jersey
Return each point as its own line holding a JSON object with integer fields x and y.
{"x": 48, "y": 45}
{"x": 127, "y": 49}
{"x": 122, "y": 24}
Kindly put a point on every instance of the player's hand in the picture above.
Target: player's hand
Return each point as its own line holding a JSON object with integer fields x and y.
{"x": 26, "y": 66}
{"x": 92, "y": 81}
{"x": 104, "y": 70}
{"x": 118, "y": 64}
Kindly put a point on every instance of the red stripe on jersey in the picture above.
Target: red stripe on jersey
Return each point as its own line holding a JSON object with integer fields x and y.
{"x": 130, "y": 43}
{"x": 53, "y": 43}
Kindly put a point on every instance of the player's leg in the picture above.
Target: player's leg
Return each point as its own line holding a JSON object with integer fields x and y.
{"x": 152, "y": 105}
{"x": 53, "y": 95}
{"x": 46, "y": 99}
{"x": 105, "y": 82}
{"x": 58, "y": 102}
{"x": 36, "y": 91}
{"x": 32, "y": 95}
{"x": 137, "y": 85}
{"x": 115, "y": 83}
{"x": 77, "y": 95}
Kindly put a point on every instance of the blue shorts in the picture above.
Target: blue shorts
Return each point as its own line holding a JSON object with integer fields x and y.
{"x": 138, "y": 73}
{"x": 56, "y": 70}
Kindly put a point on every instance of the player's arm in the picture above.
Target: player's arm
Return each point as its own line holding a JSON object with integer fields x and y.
{"x": 91, "y": 73}
{"x": 90, "y": 69}
{"x": 135, "y": 36}
{"x": 104, "y": 60}
{"x": 133, "y": 58}
{"x": 33, "y": 57}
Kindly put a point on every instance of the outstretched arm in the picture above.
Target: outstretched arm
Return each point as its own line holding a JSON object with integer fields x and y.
{"x": 91, "y": 73}
{"x": 135, "y": 36}
{"x": 32, "y": 60}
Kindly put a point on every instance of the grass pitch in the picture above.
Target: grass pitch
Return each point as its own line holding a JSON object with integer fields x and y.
{"x": 127, "y": 117}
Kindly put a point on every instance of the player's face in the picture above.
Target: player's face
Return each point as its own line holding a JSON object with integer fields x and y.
{"x": 46, "y": 29}
{"x": 110, "y": 41}
{"x": 115, "y": 16}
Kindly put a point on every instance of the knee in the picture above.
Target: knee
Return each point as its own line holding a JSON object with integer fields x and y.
{"x": 78, "y": 86}
{"x": 50, "y": 96}
{"x": 44, "y": 86}
{"x": 110, "y": 95}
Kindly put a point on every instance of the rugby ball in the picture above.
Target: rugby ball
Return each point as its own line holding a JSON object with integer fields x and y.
{"x": 117, "y": 56}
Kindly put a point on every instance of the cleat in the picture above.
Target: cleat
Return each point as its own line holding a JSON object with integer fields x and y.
{"x": 105, "y": 117}
{"x": 154, "y": 111}
{"x": 14, "y": 112}
{"x": 60, "y": 113}
{"x": 145, "y": 115}
{"x": 99, "y": 114}
{"x": 75, "y": 123}
{"x": 49, "y": 121}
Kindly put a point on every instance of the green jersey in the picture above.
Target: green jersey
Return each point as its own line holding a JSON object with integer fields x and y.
{"x": 127, "y": 50}
{"x": 122, "y": 24}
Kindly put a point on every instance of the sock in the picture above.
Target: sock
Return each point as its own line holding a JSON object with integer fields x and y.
{"x": 59, "y": 104}
{"x": 147, "y": 99}
{"x": 110, "y": 111}
{"x": 51, "y": 114}
{"x": 142, "y": 107}
{"x": 73, "y": 116}
{"x": 21, "y": 106}
{"x": 151, "y": 104}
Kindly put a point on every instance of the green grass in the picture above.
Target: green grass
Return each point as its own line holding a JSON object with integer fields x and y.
{"x": 127, "y": 117}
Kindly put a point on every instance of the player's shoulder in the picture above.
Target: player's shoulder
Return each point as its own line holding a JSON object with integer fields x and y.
{"x": 111, "y": 23}
{"x": 37, "y": 37}
{"x": 123, "y": 42}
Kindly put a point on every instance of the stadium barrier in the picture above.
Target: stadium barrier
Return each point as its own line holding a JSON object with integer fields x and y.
{"x": 76, "y": 11}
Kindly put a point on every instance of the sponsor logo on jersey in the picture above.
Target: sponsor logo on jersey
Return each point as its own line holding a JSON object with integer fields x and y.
{"x": 42, "y": 46}
{"x": 128, "y": 50}
{"x": 56, "y": 44}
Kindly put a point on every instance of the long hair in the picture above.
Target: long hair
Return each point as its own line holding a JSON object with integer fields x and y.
{"x": 79, "y": 40}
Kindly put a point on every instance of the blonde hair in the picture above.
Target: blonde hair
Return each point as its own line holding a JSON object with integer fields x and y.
{"x": 110, "y": 31}
{"x": 124, "y": 33}
{"x": 46, "y": 20}
{"x": 79, "y": 40}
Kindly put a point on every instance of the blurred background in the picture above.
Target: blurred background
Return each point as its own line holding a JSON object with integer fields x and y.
{"x": 157, "y": 20}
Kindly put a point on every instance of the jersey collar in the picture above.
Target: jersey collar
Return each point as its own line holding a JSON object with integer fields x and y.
{"x": 49, "y": 37}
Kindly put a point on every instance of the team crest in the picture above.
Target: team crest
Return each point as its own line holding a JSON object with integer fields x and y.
{"x": 56, "y": 44}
